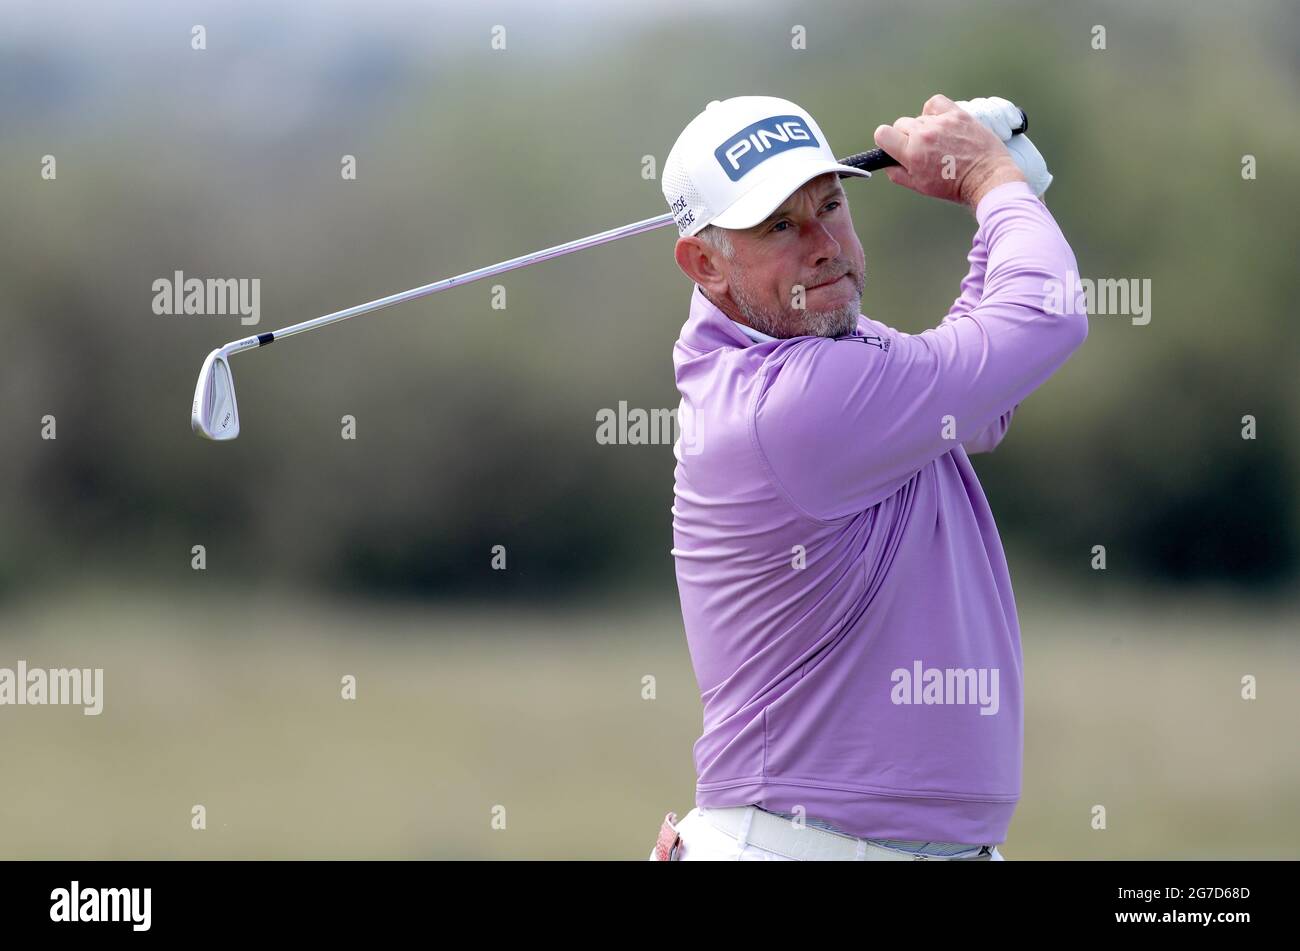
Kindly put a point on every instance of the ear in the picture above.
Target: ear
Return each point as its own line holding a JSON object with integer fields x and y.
{"x": 704, "y": 265}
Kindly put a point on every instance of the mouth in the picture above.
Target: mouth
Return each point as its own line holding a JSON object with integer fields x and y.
{"x": 842, "y": 277}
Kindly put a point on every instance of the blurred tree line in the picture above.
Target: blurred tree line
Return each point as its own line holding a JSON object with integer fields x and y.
{"x": 476, "y": 426}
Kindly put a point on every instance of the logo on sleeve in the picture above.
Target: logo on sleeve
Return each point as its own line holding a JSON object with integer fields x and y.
{"x": 758, "y": 142}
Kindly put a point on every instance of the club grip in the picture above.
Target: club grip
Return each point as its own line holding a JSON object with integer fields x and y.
{"x": 874, "y": 159}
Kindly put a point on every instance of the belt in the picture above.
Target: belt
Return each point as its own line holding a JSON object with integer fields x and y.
{"x": 752, "y": 826}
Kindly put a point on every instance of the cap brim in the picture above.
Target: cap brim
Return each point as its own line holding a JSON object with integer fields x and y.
{"x": 766, "y": 197}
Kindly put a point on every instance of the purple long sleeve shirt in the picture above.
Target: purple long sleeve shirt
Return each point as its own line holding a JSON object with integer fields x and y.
{"x": 846, "y": 599}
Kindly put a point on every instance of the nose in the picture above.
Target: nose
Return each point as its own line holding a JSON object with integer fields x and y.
{"x": 822, "y": 245}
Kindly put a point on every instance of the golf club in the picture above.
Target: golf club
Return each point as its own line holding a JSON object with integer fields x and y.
{"x": 215, "y": 414}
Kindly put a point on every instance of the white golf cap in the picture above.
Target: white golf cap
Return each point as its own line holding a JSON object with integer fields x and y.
{"x": 739, "y": 159}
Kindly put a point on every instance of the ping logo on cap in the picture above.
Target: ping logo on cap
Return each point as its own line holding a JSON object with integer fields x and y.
{"x": 761, "y": 140}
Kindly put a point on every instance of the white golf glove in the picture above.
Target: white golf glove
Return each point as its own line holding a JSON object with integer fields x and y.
{"x": 1000, "y": 117}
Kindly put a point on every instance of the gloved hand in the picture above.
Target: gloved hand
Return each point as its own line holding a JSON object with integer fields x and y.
{"x": 1000, "y": 117}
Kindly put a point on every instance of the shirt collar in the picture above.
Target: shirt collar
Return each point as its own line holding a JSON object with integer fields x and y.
{"x": 755, "y": 335}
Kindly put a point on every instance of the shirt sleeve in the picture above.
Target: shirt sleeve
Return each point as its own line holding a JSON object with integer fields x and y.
{"x": 843, "y": 424}
{"x": 971, "y": 292}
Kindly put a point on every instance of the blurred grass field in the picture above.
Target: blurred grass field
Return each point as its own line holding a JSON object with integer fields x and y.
{"x": 235, "y": 704}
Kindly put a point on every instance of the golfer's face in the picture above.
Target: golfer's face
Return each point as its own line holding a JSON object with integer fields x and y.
{"x": 805, "y": 258}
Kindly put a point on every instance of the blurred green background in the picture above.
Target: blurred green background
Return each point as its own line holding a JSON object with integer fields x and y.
{"x": 476, "y": 426}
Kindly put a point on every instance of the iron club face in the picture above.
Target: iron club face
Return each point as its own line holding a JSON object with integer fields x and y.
{"x": 215, "y": 414}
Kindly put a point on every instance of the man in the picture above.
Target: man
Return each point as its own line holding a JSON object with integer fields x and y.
{"x": 846, "y": 599}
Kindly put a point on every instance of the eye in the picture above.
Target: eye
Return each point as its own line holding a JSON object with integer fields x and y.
{"x": 777, "y": 227}
{"x": 832, "y": 204}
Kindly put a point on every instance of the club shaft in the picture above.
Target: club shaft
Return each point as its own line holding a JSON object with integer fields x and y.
{"x": 415, "y": 293}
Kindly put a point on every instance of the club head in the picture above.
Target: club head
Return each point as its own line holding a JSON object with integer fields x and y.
{"x": 215, "y": 414}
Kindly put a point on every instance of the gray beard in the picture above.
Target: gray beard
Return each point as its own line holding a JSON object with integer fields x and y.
{"x": 836, "y": 322}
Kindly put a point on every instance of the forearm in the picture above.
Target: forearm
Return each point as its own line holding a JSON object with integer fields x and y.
{"x": 972, "y": 285}
{"x": 974, "y": 293}
{"x": 986, "y": 179}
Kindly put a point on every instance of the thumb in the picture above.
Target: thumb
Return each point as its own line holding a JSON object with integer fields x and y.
{"x": 937, "y": 105}
{"x": 892, "y": 141}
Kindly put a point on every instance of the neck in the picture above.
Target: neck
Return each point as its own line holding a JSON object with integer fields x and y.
{"x": 728, "y": 307}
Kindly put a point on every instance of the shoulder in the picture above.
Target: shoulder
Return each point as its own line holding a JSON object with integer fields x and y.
{"x": 809, "y": 368}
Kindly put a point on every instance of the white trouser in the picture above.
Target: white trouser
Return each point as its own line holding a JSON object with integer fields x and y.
{"x": 703, "y": 841}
